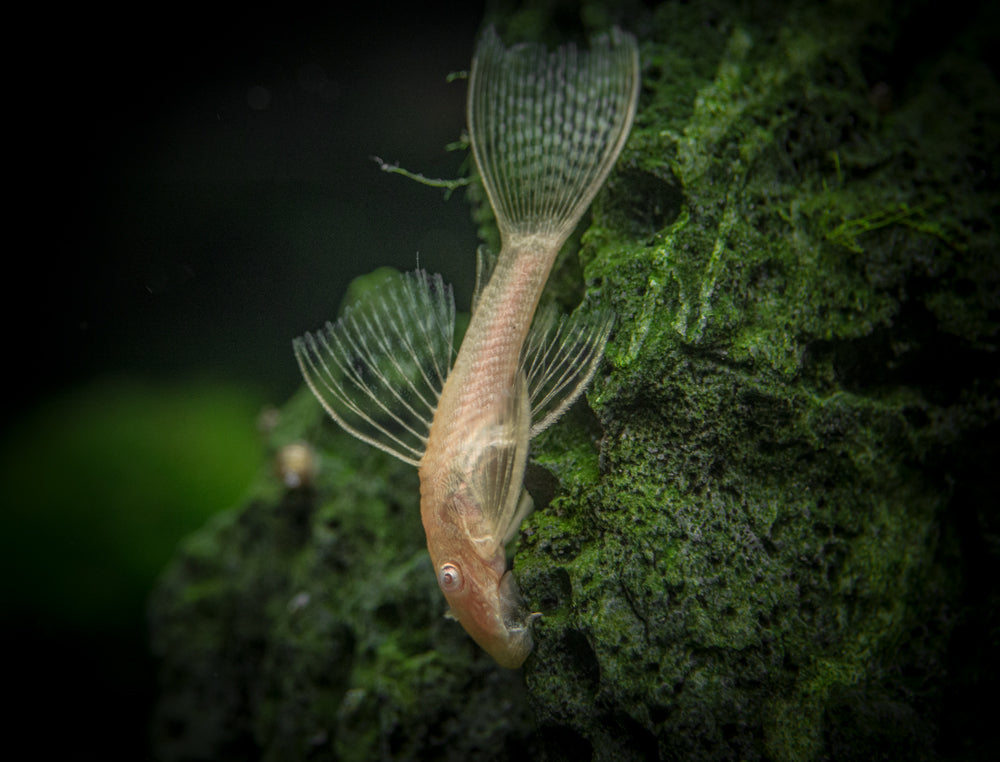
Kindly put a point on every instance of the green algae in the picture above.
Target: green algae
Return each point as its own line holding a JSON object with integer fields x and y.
{"x": 744, "y": 547}
{"x": 309, "y": 621}
{"x": 763, "y": 529}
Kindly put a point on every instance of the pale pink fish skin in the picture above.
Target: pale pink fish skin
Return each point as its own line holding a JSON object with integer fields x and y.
{"x": 474, "y": 397}
{"x": 544, "y": 141}
{"x": 545, "y": 129}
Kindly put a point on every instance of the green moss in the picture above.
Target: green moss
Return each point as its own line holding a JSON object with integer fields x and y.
{"x": 763, "y": 522}
{"x": 744, "y": 547}
{"x": 309, "y": 621}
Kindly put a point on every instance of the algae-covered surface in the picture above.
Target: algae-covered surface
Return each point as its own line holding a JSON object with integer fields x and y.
{"x": 769, "y": 533}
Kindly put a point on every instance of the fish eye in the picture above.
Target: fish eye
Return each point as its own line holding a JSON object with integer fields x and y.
{"x": 450, "y": 578}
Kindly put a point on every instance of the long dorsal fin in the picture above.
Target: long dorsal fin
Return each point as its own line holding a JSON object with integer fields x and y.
{"x": 546, "y": 128}
{"x": 379, "y": 370}
{"x": 559, "y": 359}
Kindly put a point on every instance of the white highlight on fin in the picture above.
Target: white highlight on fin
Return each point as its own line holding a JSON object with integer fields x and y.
{"x": 379, "y": 370}
{"x": 546, "y": 128}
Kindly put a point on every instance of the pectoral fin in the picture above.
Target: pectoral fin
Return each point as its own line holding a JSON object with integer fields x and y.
{"x": 559, "y": 360}
{"x": 379, "y": 370}
{"x": 497, "y": 474}
{"x": 524, "y": 506}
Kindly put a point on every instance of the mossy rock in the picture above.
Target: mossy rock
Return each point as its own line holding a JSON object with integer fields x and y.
{"x": 747, "y": 541}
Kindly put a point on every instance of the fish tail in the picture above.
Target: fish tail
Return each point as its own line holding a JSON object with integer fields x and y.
{"x": 546, "y": 127}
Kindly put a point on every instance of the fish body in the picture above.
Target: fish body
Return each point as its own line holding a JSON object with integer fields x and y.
{"x": 473, "y": 467}
{"x": 545, "y": 129}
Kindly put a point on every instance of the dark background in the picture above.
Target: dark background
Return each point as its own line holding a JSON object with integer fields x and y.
{"x": 207, "y": 185}
{"x": 190, "y": 189}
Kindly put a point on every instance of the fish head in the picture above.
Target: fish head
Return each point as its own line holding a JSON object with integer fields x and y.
{"x": 485, "y": 599}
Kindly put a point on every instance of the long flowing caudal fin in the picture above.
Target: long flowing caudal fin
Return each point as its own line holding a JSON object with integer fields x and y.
{"x": 546, "y": 128}
{"x": 379, "y": 370}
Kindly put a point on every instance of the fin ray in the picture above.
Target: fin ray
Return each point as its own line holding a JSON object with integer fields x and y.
{"x": 498, "y": 473}
{"x": 546, "y": 128}
{"x": 524, "y": 506}
{"x": 379, "y": 370}
{"x": 486, "y": 262}
{"x": 559, "y": 360}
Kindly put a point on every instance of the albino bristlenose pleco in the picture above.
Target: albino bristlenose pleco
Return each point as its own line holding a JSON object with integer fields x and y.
{"x": 546, "y": 129}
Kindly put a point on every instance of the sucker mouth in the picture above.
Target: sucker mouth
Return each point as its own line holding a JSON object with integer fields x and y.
{"x": 516, "y": 614}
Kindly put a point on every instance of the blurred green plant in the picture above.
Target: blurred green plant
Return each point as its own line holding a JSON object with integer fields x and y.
{"x": 102, "y": 481}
